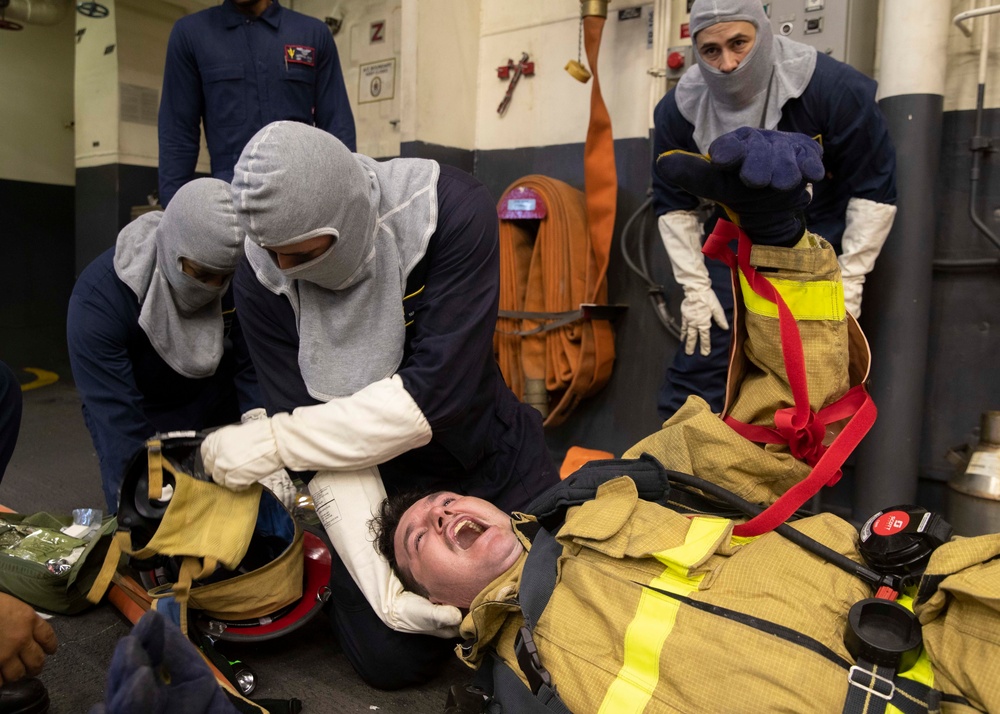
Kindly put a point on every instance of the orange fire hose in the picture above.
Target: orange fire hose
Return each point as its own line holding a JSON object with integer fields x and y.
{"x": 553, "y": 362}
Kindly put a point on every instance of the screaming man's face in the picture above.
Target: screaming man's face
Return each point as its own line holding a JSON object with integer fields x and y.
{"x": 454, "y": 546}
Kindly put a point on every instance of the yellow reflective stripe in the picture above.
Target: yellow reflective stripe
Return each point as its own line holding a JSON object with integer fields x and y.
{"x": 701, "y": 540}
{"x": 921, "y": 670}
{"x": 644, "y": 639}
{"x": 811, "y": 300}
{"x": 43, "y": 378}
{"x": 655, "y": 616}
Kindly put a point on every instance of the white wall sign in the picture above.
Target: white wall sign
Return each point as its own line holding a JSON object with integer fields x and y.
{"x": 377, "y": 81}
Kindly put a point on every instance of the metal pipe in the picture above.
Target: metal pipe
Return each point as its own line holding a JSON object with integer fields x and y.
{"x": 661, "y": 38}
{"x": 984, "y": 50}
{"x": 961, "y": 17}
{"x": 594, "y": 8}
{"x": 944, "y": 265}
{"x": 897, "y": 294}
{"x": 979, "y": 144}
{"x": 37, "y": 12}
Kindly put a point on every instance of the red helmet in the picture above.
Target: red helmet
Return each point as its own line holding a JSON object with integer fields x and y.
{"x": 219, "y": 599}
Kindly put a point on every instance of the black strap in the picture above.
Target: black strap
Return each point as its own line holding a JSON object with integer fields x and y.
{"x": 538, "y": 579}
{"x": 510, "y": 696}
{"x": 872, "y": 687}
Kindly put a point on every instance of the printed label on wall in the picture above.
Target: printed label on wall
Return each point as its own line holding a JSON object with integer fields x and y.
{"x": 376, "y": 32}
{"x": 377, "y": 81}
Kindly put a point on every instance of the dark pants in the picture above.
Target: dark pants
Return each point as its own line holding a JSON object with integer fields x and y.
{"x": 384, "y": 658}
{"x": 695, "y": 374}
{"x": 10, "y": 414}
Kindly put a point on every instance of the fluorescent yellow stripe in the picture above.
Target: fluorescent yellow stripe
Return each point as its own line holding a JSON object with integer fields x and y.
{"x": 700, "y": 541}
{"x": 813, "y": 300}
{"x": 921, "y": 670}
{"x": 655, "y": 617}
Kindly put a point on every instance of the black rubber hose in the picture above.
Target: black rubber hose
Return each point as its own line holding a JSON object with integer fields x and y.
{"x": 655, "y": 291}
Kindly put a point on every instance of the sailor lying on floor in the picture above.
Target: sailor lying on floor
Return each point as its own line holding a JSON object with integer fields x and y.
{"x": 643, "y": 607}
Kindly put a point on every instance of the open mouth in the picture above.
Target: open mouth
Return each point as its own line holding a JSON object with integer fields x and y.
{"x": 466, "y": 532}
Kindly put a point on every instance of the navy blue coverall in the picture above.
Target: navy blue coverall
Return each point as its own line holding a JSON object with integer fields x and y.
{"x": 839, "y": 106}
{"x": 237, "y": 74}
{"x": 485, "y": 442}
{"x": 10, "y": 414}
{"x": 129, "y": 393}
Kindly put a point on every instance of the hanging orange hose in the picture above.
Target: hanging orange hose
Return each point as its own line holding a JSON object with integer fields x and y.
{"x": 556, "y": 270}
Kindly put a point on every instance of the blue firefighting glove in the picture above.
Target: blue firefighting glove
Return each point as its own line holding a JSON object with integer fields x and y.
{"x": 759, "y": 176}
{"x": 156, "y": 670}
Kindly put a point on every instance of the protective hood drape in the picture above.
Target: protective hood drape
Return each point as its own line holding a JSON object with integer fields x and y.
{"x": 717, "y": 102}
{"x": 181, "y": 315}
{"x": 294, "y": 182}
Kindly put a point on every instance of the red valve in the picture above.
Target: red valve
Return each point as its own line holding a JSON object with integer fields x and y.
{"x": 675, "y": 60}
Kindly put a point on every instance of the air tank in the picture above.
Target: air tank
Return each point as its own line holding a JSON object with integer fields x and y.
{"x": 974, "y": 490}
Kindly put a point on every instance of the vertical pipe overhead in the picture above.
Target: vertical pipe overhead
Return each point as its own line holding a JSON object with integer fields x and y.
{"x": 661, "y": 39}
{"x": 897, "y": 293}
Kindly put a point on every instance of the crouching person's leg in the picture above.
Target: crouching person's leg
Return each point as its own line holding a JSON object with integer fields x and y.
{"x": 382, "y": 657}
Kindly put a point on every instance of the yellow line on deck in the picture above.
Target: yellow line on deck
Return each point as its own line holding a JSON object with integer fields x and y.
{"x": 43, "y": 378}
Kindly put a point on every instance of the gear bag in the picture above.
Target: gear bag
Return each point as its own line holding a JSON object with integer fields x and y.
{"x": 56, "y": 587}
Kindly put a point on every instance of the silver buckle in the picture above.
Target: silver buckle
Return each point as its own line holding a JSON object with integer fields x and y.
{"x": 871, "y": 688}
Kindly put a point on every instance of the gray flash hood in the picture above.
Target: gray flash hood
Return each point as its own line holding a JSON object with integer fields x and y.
{"x": 182, "y": 316}
{"x": 295, "y": 182}
{"x": 717, "y": 102}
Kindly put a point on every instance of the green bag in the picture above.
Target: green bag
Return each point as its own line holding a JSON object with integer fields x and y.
{"x": 33, "y": 583}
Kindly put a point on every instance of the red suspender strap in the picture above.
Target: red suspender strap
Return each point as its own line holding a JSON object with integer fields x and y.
{"x": 797, "y": 426}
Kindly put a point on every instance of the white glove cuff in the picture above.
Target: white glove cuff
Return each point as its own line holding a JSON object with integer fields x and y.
{"x": 681, "y": 235}
{"x": 345, "y": 502}
{"x": 867, "y": 225}
{"x": 367, "y": 428}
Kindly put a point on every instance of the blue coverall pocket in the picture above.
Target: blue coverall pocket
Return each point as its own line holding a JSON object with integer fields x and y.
{"x": 225, "y": 95}
{"x": 299, "y": 87}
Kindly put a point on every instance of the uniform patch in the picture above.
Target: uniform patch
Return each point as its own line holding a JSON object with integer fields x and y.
{"x": 300, "y": 54}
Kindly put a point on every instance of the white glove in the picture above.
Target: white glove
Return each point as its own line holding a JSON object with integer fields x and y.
{"x": 252, "y": 414}
{"x": 867, "y": 225}
{"x": 681, "y": 235}
{"x": 240, "y": 455}
{"x": 345, "y": 502}
{"x": 367, "y": 428}
{"x": 282, "y": 487}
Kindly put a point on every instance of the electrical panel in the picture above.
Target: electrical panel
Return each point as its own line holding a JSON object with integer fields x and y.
{"x": 843, "y": 29}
